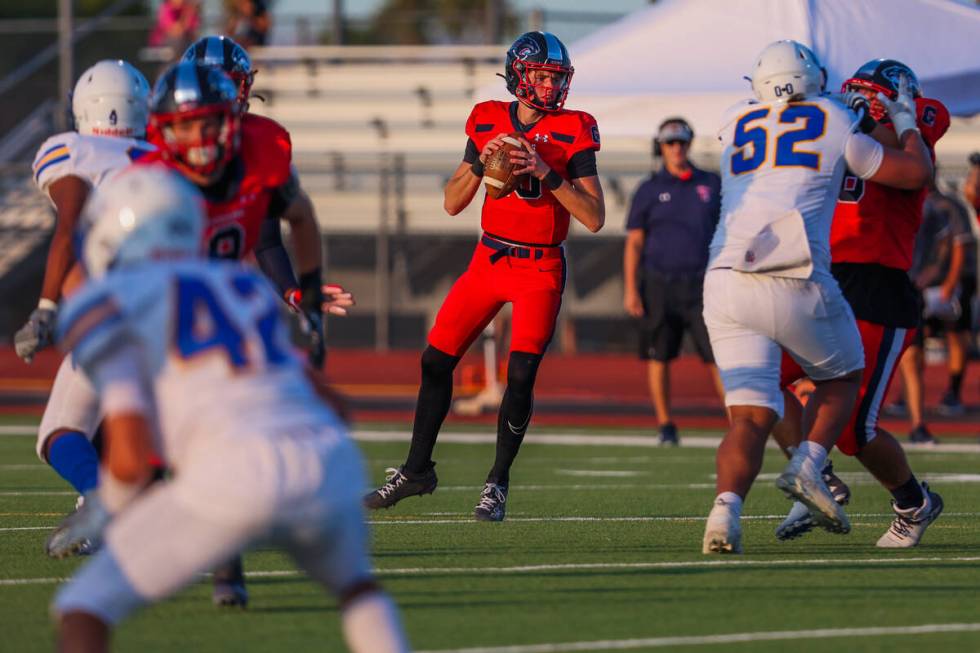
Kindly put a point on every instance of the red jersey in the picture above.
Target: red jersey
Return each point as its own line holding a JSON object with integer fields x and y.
{"x": 265, "y": 160}
{"x": 877, "y": 224}
{"x": 531, "y": 214}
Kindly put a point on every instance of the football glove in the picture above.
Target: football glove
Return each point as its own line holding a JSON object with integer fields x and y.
{"x": 310, "y": 317}
{"x": 82, "y": 528}
{"x": 38, "y": 333}
{"x": 902, "y": 109}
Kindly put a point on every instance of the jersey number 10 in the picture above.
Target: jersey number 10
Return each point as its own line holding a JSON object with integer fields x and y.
{"x": 755, "y": 140}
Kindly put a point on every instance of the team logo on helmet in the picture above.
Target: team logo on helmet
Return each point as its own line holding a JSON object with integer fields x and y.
{"x": 525, "y": 48}
{"x": 894, "y": 75}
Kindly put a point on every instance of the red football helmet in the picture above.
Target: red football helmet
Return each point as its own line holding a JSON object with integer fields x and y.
{"x": 188, "y": 91}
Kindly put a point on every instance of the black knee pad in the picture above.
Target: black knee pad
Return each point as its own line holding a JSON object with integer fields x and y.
{"x": 437, "y": 364}
{"x": 522, "y": 369}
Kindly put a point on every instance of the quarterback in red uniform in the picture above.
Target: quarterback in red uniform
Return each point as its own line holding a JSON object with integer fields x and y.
{"x": 519, "y": 258}
{"x": 872, "y": 238}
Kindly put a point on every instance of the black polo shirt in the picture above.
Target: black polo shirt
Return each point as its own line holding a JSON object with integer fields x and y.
{"x": 678, "y": 218}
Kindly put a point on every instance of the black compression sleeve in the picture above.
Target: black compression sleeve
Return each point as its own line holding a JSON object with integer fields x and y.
{"x": 273, "y": 258}
{"x": 582, "y": 164}
{"x": 472, "y": 153}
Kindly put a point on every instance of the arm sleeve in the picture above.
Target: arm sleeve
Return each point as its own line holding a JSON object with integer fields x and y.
{"x": 284, "y": 195}
{"x": 863, "y": 155}
{"x": 472, "y": 153}
{"x": 582, "y": 164}
{"x": 272, "y": 257}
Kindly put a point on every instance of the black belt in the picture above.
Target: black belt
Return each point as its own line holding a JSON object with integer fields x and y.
{"x": 502, "y": 249}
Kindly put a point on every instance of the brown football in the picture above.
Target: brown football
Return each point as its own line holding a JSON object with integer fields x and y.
{"x": 498, "y": 172}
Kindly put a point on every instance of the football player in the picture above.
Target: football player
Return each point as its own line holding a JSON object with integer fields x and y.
{"x": 769, "y": 287}
{"x": 871, "y": 241}
{"x": 109, "y": 108}
{"x": 519, "y": 258}
{"x": 191, "y": 360}
{"x": 307, "y": 299}
{"x": 243, "y": 168}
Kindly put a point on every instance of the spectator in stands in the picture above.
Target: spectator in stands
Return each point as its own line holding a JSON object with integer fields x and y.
{"x": 248, "y": 22}
{"x": 944, "y": 267}
{"x": 671, "y": 221}
{"x": 178, "y": 22}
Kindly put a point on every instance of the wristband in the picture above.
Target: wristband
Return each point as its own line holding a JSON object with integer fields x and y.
{"x": 553, "y": 180}
{"x": 477, "y": 168}
{"x": 311, "y": 289}
{"x": 46, "y": 304}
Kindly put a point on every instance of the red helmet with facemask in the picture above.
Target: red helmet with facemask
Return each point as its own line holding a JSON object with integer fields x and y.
{"x": 188, "y": 91}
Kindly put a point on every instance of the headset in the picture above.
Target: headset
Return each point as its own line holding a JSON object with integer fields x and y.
{"x": 685, "y": 130}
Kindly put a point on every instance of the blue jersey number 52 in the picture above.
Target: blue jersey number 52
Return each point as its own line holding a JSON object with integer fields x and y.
{"x": 752, "y": 142}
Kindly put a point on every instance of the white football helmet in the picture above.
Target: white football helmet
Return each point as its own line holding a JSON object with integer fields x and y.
{"x": 111, "y": 99}
{"x": 787, "y": 70}
{"x": 143, "y": 213}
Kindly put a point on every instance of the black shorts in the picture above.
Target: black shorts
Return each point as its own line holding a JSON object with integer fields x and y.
{"x": 671, "y": 306}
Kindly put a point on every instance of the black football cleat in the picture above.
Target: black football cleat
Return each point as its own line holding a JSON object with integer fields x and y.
{"x": 228, "y": 589}
{"x": 400, "y": 484}
{"x": 493, "y": 503}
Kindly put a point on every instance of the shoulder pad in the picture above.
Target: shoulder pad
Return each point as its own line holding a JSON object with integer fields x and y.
{"x": 485, "y": 119}
{"x": 266, "y": 145}
{"x": 932, "y": 118}
{"x": 53, "y": 159}
{"x": 90, "y": 322}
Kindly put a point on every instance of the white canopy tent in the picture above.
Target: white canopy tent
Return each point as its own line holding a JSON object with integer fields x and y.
{"x": 689, "y": 57}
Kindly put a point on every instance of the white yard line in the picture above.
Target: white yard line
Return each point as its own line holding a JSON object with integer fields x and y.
{"x": 731, "y": 638}
{"x": 567, "y": 439}
{"x": 610, "y": 566}
{"x": 467, "y": 519}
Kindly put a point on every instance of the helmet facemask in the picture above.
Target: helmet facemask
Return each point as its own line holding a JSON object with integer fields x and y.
{"x": 536, "y": 95}
{"x": 206, "y": 156}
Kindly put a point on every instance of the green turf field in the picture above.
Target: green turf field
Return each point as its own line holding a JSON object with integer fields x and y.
{"x": 602, "y": 544}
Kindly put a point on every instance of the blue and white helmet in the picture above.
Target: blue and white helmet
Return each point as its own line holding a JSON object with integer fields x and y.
{"x": 787, "y": 70}
{"x": 111, "y": 99}
{"x": 145, "y": 212}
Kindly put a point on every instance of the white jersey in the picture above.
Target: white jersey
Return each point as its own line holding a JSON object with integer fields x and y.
{"x": 212, "y": 340}
{"x": 91, "y": 158}
{"x": 781, "y": 167}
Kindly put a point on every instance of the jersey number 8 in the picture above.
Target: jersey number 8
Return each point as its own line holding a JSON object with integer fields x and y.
{"x": 756, "y": 139}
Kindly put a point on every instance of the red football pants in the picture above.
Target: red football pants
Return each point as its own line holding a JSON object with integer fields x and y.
{"x": 883, "y": 349}
{"x": 533, "y": 285}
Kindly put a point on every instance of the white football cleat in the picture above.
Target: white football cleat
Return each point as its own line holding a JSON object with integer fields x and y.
{"x": 797, "y": 523}
{"x": 799, "y": 482}
{"x": 723, "y": 532}
{"x": 911, "y": 523}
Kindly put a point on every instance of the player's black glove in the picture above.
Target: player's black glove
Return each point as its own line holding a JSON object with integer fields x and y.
{"x": 38, "y": 333}
{"x": 311, "y": 307}
{"x": 975, "y": 159}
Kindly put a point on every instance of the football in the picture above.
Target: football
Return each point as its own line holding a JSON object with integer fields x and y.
{"x": 498, "y": 172}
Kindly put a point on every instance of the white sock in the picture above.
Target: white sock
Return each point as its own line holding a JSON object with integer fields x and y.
{"x": 371, "y": 625}
{"x": 732, "y": 501}
{"x": 814, "y": 455}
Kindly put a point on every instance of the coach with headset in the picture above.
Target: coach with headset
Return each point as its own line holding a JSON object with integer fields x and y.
{"x": 671, "y": 221}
